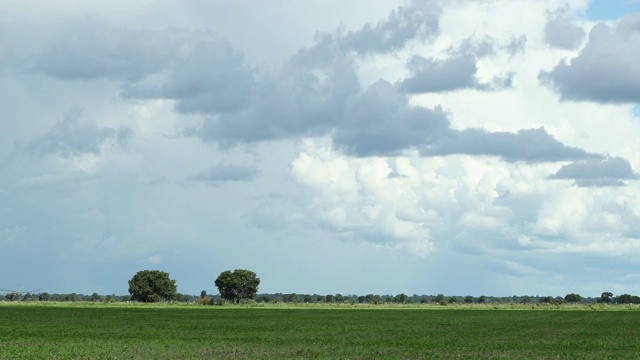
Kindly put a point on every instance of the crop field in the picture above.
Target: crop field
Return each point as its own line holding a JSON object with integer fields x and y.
{"x": 56, "y": 331}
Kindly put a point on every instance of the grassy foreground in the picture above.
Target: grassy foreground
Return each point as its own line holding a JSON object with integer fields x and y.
{"x": 190, "y": 332}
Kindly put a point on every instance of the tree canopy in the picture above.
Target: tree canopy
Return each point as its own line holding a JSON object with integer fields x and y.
{"x": 152, "y": 286}
{"x": 237, "y": 285}
{"x": 573, "y": 298}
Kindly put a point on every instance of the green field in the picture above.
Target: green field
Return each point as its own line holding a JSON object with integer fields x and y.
{"x": 56, "y": 331}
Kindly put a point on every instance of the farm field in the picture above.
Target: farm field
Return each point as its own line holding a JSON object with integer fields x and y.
{"x": 56, "y": 331}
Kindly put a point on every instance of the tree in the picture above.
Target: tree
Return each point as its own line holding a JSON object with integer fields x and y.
{"x": 573, "y": 298}
{"x": 545, "y": 300}
{"x": 237, "y": 285}
{"x": 606, "y": 297}
{"x": 482, "y": 299}
{"x": 44, "y": 296}
{"x": 152, "y": 286}
{"x": 401, "y": 298}
{"x": 628, "y": 299}
{"x": 468, "y": 299}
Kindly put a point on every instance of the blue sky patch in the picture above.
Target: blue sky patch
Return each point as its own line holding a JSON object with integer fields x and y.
{"x": 611, "y": 9}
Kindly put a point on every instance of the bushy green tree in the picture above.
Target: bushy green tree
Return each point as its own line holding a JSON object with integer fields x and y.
{"x": 152, "y": 286}
{"x": 573, "y": 298}
{"x": 468, "y": 299}
{"x": 545, "y": 300}
{"x": 237, "y": 285}
{"x": 628, "y": 299}
{"x": 401, "y": 298}
{"x": 606, "y": 297}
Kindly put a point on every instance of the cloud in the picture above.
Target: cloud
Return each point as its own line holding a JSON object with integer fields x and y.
{"x": 93, "y": 51}
{"x": 609, "y": 171}
{"x": 455, "y": 73}
{"x": 528, "y": 145}
{"x": 223, "y": 172}
{"x": 435, "y": 76}
{"x": 561, "y": 32}
{"x": 401, "y": 26}
{"x": 380, "y": 121}
{"x": 606, "y": 70}
{"x": 73, "y": 136}
{"x": 317, "y": 93}
{"x": 208, "y": 76}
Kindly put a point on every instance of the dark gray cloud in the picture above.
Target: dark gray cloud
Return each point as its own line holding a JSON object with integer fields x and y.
{"x": 316, "y": 93}
{"x": 473, "y": 47}
{"x": 298, "y": 102}
{"x": 209, "y": 76}
{"x": 459, "y": 70}
{"x": 440, "y": 75}
{"x": 73, "y": 136}
{"x": 393, "y": 33}
{"x": 92, "y": 51}
{"x": 609, "y": 171}
{"x": 223, "y": 172}
{"x": 389, "y": 35}
{"x": 607, "y": 69}
{"x": 380, "y": 121}
{"x": 561, "y": 32}
{"x": 529, "y": 145}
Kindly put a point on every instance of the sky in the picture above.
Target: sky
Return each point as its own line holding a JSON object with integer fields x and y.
{"x": 371, "y": 146}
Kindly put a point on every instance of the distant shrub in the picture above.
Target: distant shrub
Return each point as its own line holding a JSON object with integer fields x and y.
{"x": 207, "y": 300}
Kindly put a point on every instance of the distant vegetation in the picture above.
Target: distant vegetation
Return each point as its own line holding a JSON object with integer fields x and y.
{"x": 293, "y": 298}
{"x": 241, "y": 286}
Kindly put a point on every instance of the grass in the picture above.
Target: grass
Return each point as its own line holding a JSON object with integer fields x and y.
{"x": 87, "y": 331}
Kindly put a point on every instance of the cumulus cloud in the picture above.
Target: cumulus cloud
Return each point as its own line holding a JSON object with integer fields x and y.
{"x": 609, "y": 171}
{"x": 448, "y": 75}
{"x": 74, "y": 136}
{"x": 459, "y": 70}
{"x": 434, "y": 76}
{"x": 102, "y": 51}
{"x": 401, "y": 26}
{"x": 316, "y": 93}
{"x": 528, "y": 145}
{"x": 208, "y": 77}
{"x": 380, "y": 121}
{"x": 561, "y": 32}
{"x": 606, "y": 70}
{"x": 223, "y": 172}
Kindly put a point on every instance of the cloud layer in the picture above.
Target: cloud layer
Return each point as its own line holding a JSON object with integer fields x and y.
{"x": 389, "y": 135}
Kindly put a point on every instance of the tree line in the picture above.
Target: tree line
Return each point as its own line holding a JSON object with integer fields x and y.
{"x": 241, "y": 285}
